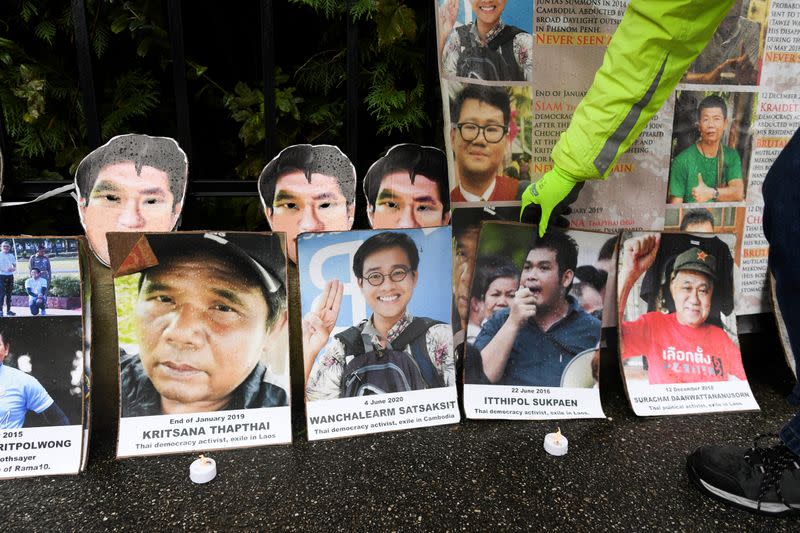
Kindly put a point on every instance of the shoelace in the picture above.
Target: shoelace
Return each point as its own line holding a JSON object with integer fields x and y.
{"x": 774, "y": 461}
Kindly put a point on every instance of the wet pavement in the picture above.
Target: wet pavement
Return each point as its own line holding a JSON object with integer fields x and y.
{"x": 623, "y": 472}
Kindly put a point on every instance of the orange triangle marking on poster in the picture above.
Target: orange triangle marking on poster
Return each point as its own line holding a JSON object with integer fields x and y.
{"x": 140, "y": 257}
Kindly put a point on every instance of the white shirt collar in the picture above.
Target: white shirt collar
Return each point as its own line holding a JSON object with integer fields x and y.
{"x": 468, "y": 196}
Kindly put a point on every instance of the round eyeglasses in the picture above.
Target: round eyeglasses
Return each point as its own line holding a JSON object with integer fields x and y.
{"x": 493, "y": 133}
{"x": 376, "y": 278}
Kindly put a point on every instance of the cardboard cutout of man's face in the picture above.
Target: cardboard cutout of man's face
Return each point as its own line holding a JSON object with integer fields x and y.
{"x": 308, "y": 188}
{"x": 408, "y": 188}
{"x": 131, "y": 183}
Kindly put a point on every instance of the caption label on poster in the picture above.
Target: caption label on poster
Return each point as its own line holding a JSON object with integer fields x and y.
{"x": 346, "y": 417}
{"x": 43, "y": 451}
{"x": 531, "y": 403}
{"x": 691, "y": 398}
{"x": 242, "y": 428}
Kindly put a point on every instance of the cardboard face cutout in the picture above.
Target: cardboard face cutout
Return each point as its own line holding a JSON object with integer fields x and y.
{"x": 376, "y": 308}
{"x": 131, "y": 183}
{"x": 202, "y": 328}
{"x": 677, "y": 326}
{"x": 308, "y": 188}
{"x": 408, "y": 188}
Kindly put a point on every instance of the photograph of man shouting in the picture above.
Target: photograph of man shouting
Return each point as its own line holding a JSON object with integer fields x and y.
{"x": 532, "y": 341}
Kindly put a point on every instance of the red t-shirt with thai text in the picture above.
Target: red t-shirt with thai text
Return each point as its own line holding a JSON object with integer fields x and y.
{"x": 681, "y": 354}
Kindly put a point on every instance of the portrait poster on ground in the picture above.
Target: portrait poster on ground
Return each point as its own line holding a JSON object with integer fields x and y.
{"x": 678, "y": 344}
{"x": 203, "y": 343}
{"x": 537, "y": 306}
{"x": 728, "y": 119}
{"x": 377, "y": 338}
{"x": 44, "y": 404}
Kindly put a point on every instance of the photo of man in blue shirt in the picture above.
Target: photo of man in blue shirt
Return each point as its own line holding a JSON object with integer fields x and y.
{"x": 532, "y": 341}
{"x": 21, "y": 392}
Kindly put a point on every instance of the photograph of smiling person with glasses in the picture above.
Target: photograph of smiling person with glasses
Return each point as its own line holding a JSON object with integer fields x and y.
{"x": 480, "y": 140}
{"x": 392, "y": 350}
{"x": 486, "y": 43}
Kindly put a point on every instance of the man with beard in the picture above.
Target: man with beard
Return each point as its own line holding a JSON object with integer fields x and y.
{"x": 531, "y": 342}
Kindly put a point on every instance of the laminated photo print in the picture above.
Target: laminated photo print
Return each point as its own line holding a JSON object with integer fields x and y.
{"x": 678, "y": 344}
{"x": 204, "y": 360}
{"x": 43, "y": 405}
{"x": 711, "y": 147}
{"x": 734, "y": 54}
{"x": 408, "y": 188}
{"x": 133, "y": 183}
{"x": 489, "y": 136}
{"x": 485, "y": 40}
{"x": 308, "y": 188}
{"x": 377, "y": 339}
{"x": 537, "y": 306}
{"x": 466, "y": 223}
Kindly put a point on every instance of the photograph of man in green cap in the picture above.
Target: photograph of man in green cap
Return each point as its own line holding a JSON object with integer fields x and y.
{"x": 681, "y": 346}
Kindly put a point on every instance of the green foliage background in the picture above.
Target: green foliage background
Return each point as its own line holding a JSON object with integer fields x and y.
{"x": 45, "y": 120}
{"x": 125, "y": 292}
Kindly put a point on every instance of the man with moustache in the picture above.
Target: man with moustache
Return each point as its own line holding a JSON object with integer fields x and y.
{"x": 202, "y": 336}
{"x": 707, "y": 171}
{"x": 532, "y": 341}
{"x": 386, "y": 267}
{"x": 679, "y": 347}
{"x": 408, "y": 188}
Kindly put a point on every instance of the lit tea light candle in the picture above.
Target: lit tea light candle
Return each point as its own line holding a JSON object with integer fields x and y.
{"x": 203, "y": 469}
{"x": 556, "y": 443}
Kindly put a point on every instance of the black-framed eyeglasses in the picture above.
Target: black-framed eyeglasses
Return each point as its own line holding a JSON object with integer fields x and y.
{"x": 493, "y": 133}
{"x": 397, "y": 275}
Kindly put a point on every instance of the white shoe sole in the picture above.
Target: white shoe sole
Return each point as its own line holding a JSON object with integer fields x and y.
{"x": 770, "y": 508}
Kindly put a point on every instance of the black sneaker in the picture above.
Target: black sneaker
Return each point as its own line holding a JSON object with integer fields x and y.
{"x": 763, "y": 480}
{"x": 11, "y": 313}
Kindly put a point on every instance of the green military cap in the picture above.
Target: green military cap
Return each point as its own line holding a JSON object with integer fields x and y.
{"x": 697, "y": 260}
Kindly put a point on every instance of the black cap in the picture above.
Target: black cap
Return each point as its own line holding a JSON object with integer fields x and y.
{"x": 263, "y": 254}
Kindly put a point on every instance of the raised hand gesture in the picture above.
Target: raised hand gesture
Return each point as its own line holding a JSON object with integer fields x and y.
{"x": 640, "y": 254}
{"x": 320, "y": 321}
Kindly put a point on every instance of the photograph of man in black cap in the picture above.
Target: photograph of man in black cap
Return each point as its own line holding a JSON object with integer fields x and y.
{"x": 207, "y": 310}
{"x": 681, "y": 346}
